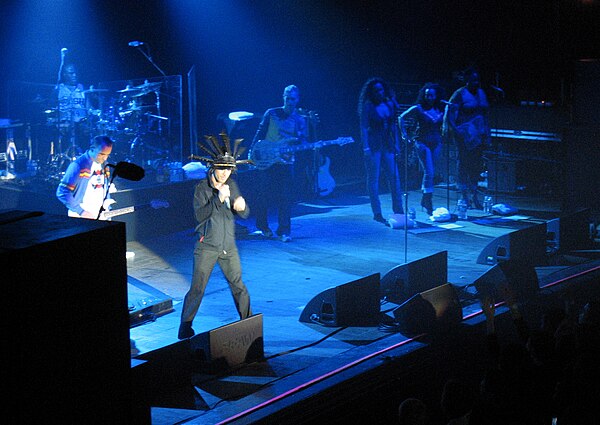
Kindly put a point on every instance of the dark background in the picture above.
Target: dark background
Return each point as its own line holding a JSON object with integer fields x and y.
{"x": 245, "y": 52}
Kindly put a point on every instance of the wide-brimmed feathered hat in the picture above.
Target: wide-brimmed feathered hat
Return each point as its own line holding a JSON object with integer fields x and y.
{"x": 221, "y": 153}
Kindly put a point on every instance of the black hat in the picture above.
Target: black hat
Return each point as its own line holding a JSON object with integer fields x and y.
{"x": 221, "y": 154}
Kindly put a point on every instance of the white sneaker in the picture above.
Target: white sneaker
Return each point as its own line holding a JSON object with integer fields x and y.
{"x": 285, "y": 238}
{"x": 265, "y": 233}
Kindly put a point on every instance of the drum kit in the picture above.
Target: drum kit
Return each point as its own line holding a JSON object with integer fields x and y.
{"x": 131, "y": 117}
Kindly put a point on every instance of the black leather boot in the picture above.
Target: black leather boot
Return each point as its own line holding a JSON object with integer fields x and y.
{"x": 476, "y": 204}
{"x": 464, "y": 195}
{"x": 185, "y": 330}
{"x": 427, "y": 203}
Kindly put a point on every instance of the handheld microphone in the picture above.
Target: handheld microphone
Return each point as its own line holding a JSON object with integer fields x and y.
{"x": 135, "y": 43}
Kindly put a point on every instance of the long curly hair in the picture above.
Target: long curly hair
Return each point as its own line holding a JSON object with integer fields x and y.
{"x": 367, "y": 94}
{"x": 439, "y": 95}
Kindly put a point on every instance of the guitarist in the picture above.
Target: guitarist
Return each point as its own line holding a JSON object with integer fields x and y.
{"x": 466, "y": 120}
{"x": 275, "y": 184}
{"x": 85, "y": 183}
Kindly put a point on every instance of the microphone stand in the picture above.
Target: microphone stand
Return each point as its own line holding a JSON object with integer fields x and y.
{"x": 405, "y": 196}
{"x": 107, "y": 191}
{"x": 147, "y": 56}
{"x": 405, "y": 191}
{"x": 58, "y": 109}
{"x": 446, "y": 139}
{"x": 157, "y": 92}
{"x": 497, "y": 154}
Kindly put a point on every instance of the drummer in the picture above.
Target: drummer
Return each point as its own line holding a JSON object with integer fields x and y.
{"x": 72, "y": 107}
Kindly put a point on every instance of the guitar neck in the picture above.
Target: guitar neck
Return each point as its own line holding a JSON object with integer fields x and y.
{"x": 308, "y": 146}
{"x": 266, "y": 153}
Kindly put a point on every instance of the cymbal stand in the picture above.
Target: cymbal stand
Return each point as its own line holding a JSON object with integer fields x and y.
{"x": 147, "y": 56}
{"x": 157, "y": 93}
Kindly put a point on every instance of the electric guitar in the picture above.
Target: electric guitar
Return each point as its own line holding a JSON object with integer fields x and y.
{"x": 266, "y": 153}
{"x": 107, "y": 214}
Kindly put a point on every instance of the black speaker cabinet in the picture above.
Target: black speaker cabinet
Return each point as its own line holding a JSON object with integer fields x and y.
{"x": 230, "y": 345}
{"x": 586, "y": 92}
{"x": 429, "y": 311}
{"x": 517, "y": 276}
{"x": 354, "y": 303}
{"x": 527, "y": 244}
{"x": 406, "y": 280}
{"x": 581, "y": 170}
{"x": 570, "y": 232}
{"x": 65, "y": 318}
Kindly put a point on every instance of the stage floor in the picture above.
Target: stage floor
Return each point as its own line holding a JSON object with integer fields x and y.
{"x": 335, "y": 241}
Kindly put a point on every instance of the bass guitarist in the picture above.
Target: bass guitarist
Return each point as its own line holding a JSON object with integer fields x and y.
{"x": 275, "y": 184}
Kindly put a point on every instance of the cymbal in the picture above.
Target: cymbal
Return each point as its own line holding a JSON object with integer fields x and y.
{"x": 128, "y": 89}
{"x": 94, "y": 90}
{"x": 149, "y": 86}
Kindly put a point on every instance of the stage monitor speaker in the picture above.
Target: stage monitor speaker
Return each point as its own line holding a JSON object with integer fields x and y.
{"x": 570, "y": 232}
{"x": 355, "y": 303}
{"x": 433, "y": 310}
{"x": 526, "y": 244}
{"x": 230, "y": 345}
{"x": 406, "y": 280}
{"x": 517, "y": 276}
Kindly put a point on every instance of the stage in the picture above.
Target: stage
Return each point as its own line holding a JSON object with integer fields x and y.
{"x": 314, "y": 370}
{"x": 335, "y": 242}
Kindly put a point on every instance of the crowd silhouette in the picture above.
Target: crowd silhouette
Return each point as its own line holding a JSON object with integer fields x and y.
{"x": 549, "y": 375}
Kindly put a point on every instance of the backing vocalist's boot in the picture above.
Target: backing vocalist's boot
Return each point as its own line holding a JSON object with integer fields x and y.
{"x": 476, "y": 204}
{"x": 427, "y": 203}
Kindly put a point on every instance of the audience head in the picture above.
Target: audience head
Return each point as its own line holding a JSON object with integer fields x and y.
{"x": 413, "y": 411}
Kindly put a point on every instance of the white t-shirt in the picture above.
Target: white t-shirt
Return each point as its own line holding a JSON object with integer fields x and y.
{"x": 94, "y": 194}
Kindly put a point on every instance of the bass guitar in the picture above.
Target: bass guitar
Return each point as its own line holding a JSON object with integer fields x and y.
{"x": 266, "y": 153}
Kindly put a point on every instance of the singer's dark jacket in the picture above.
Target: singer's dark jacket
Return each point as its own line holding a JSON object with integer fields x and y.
{"x": 216, "y": 222}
